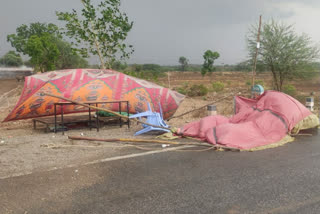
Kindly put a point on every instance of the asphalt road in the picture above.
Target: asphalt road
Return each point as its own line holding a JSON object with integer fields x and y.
{"x": 280, "y": 180}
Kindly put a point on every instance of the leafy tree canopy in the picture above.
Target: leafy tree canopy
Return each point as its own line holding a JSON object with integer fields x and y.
{"x": 184, "y": 63}
{"x": 43, "y": 52}
{"x": 99, "y": 30}
{"x": 24, "y": 32}
{"x": 68, "y": 58}
{"x": 282, "y": 51}
{"x": 44, "y": 45}
{"x": 209, "y": 58}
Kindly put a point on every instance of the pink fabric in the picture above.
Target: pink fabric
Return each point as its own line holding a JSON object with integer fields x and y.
{"x": 86, "y": 85}
{"x": 256, "y": 123}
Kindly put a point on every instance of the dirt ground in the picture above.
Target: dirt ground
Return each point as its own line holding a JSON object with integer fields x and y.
{"x": 24, "y": 150}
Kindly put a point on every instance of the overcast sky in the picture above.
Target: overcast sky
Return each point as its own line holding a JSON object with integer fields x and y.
{"x": 164, "y": 30}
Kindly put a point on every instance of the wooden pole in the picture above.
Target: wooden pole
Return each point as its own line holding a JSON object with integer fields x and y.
{"x": 256, "y": 54}
{"x": 101, "y": 109}
{"x": 151, "y": 141}
{"x": 123, "y": 140}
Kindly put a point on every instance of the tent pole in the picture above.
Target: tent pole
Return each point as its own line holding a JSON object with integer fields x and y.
{"x": 256, "y": 54}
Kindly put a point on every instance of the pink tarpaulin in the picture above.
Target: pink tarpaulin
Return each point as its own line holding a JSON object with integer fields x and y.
{"x": 259, "y": 122}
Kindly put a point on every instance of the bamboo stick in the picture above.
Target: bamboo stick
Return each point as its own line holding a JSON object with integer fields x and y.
{"x": 124, "y": 140}
{"x": 151, "y": 141}
{"x": 200, "y": 107}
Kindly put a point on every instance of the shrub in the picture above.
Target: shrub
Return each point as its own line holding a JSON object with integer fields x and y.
{"x": 289, "y": 89}
{"x": 184, "y": 88}
{"x": 197, "y": 90}
{"x": 217, "y": 86}
{"x": 259, "y": 82}
{"x": 301, "y": 98}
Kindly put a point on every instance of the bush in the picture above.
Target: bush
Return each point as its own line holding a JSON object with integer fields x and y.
{"x": 217, "y": 86}
{"x": 259, "y": 82}
{"x": 184, "y": 88}
{"x": 289, "y": 89}
{"x": 301, "y": 98}
{"x": 197, "y": 90}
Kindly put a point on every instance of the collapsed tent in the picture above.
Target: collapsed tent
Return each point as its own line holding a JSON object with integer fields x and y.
{"x": 84, "y": 85}
{"x": 257, "y": 122}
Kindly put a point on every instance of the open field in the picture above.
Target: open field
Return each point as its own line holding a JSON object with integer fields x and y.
{"x": 24, "y": 150}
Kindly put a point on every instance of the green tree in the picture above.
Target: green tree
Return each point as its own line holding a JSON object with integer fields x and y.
{"x": 44, "y": 45}
{"x": 283, "y": 52}
{"x": 43, "y": 52}
{"x": 68, "y": 58}
{"x": 209, "y": 58}
{"x": 100, "y": 31}
{"x": 11, "y": 59}
{"x": 118, "y": 65}
{"x": 184, "y": 63}
{"x": 38, "y": 41}
{"x": 24, "y": 32}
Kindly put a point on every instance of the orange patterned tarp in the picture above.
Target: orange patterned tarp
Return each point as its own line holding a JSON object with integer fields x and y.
{"x": 84, "y": 85}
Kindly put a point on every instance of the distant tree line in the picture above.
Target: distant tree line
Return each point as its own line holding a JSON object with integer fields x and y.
{"x": 11, "y": 59}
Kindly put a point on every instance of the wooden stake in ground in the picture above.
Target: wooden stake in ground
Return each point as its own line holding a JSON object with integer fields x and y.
{"x": 256, "y": 54}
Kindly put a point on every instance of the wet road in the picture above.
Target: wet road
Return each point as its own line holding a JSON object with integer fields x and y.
{"x": 280, "y": 180}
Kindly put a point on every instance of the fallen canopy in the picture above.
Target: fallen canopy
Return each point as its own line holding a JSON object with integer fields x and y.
{"x": 85, "y": 85}
{"x": 260, "y": 122}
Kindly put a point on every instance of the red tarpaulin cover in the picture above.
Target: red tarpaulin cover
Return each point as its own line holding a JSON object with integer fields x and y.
{"x": 257, "y": 122}
{"x": 85, "y": 85}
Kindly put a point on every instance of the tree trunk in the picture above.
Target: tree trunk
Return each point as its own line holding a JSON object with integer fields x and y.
{"x": 99, "y": 53}
{"x": 281, "y": 81}
{"x": 96, "y": 42}
{"x": 275, "y": 78}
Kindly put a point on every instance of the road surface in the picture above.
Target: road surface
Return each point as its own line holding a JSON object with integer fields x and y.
{"x": 280, "y": 180}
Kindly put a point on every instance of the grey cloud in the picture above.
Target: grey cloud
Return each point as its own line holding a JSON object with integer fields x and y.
{"x": 164, "y": 29}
